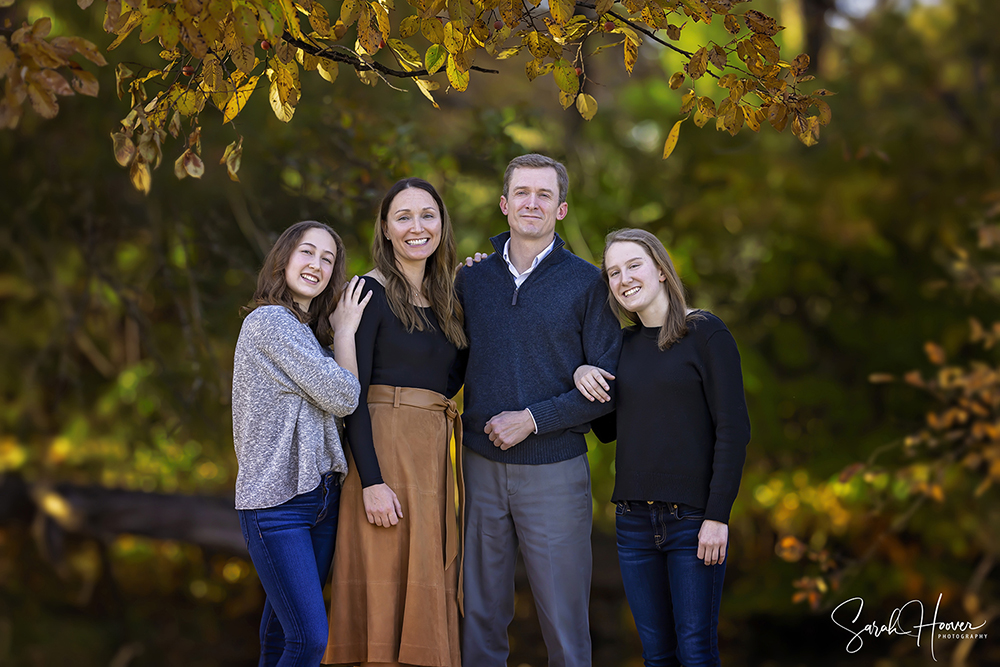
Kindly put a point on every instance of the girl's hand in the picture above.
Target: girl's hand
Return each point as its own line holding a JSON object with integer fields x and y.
{"x": 592, "y": 382}
{"x": 712, "y": 540}
{"x": 347, "y": 315}
{"x": 381, "y": 505}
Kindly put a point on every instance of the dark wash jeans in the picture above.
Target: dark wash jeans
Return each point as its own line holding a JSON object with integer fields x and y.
{"x": 673, "y": 595}
{"x": 291, "y": 546}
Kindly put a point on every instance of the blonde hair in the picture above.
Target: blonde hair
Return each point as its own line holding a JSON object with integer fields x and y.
{"x": 675, "y": 324}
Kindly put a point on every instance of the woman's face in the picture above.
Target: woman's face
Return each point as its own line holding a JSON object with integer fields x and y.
{"x": 413, "y": 225}
{"x": 310, "y": 266}
{"x": 635, "y": 279}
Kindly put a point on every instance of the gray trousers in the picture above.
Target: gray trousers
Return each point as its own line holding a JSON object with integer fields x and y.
{"x": 546, "y": 511}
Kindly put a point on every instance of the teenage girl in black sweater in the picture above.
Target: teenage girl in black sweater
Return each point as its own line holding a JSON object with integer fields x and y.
{"x": 682, "y": 428}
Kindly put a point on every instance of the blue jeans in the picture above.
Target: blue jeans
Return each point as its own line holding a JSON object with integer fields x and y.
{"x": 291, "y": 546}
{"x": 673, "y": 595}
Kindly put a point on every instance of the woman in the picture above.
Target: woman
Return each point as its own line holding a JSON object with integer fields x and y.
{"x": 682, "y": 430}
{"x": 396, "y": 575}
{"x": 288, "y": 396}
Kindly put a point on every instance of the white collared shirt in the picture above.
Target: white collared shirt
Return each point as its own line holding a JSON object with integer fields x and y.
{"x": 519, "y": 278}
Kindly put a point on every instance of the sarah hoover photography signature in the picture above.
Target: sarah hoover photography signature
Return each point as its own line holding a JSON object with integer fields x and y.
{"x": 911, "y": 611}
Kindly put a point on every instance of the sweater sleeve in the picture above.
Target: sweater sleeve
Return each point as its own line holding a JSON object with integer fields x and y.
{"x": 296, "y": 352}
{"x": 359, "y": 424}
{"x": 456, "y": 377}
{"x": 606, "y": 427}
{"x": 602, "y": 342}
{"x": 727, "y": 404}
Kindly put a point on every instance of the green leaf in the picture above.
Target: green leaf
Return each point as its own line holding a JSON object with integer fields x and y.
{"x": 435, "y": 58}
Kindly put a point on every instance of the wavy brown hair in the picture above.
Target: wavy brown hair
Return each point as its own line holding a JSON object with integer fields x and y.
{"x": 675, "y": 324}
{"x": 272, "y": 290}
{"x": 438, "y": 284}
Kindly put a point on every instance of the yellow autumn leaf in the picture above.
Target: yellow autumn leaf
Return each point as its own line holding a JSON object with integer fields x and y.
{"x": 239, "y": 99}
{"x": 319, "y": 19}
{"x": 292, "y": 18}
{"x": 432, "y": 30}
{"x": 369, "y": 34}
{"x": 409, "y": 26}
{"x": 459, "y": 80}
{"x": 191, "y": 102}
{"x": 426, "y": 87}
{"x": 631, "y": 55}
{"x": 672, "y": 137}
{"x": 282, "y": 109}
{"x": 85, "y": 83}
{"x": 407, "y": 55}
{"x": 328, "y": 69}
{"x": 562, "y": 10}
{"x": 698, "y": 63}
{"x": 586, "y": 105}
{"x": 124, "y": 148}
{"x": 688, "y": 101}
{"x": 232, "y": 159}
{"x": 140, "y": 176}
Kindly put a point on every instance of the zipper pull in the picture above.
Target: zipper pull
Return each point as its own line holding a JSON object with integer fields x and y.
{"x": 514, "y": 300}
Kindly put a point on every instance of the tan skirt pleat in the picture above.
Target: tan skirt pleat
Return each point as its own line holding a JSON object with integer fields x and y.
{"x": 395, "y": 591}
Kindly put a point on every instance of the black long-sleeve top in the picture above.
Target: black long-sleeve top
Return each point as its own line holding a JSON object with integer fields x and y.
{"x": 388, "y": 354}
{"x": 681, "y": 419}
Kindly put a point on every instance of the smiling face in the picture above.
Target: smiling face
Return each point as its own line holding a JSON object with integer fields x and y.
{"x": 636, "y": 281}
{"x": 310, "y": 266}
{"x": 413, "y": 225}
{"x": 533, "y": 205}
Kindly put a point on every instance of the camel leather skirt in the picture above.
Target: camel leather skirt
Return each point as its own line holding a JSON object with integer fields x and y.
{"x": 396, "y": 591}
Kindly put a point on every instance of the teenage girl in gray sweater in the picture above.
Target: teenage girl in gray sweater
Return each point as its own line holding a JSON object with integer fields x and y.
{"x": 289, "y": 395}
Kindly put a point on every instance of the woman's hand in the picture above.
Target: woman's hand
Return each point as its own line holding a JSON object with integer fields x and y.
{"x": 712, "y": 540}
{"x": 347, "y": 315}
{"x": 593, "y": 382}
{"x": 381, "y": 505}
{"x": 469, "y": 261}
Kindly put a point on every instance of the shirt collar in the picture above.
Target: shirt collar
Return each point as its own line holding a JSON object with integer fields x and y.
{"x": 538, "y": 258}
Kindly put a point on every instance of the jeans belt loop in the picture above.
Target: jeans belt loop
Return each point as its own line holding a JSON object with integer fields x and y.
{"x": 395, "y": 398}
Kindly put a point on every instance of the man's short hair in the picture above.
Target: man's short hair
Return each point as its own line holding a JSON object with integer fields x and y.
{"x": 536, "y": 161}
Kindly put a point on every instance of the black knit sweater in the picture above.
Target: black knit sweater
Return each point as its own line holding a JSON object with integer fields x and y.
{"x": 681, "y": 419}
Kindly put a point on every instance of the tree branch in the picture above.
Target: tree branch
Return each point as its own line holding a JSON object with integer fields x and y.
{"x": 645, "y": 31}
{"x": 352, "y": 59}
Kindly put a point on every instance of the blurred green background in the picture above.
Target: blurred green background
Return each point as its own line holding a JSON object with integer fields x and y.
{"x": 118, "y": 545}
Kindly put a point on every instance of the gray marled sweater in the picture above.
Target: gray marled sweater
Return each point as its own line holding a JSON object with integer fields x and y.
{"x": 288, "y": 397}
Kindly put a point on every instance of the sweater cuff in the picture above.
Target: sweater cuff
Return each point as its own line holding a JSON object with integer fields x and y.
{"x": 718, "y": 508}
{"x": 545, "y": 416}
{"x": 533, "y": 422}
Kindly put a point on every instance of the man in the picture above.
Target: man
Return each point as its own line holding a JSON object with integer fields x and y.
{"x": 534, "y": 312}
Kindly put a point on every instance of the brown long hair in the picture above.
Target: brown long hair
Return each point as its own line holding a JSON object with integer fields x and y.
{"x": 675, "y": 324}
{"x": 438, "y": 283}
{"x": 272, "y": 290}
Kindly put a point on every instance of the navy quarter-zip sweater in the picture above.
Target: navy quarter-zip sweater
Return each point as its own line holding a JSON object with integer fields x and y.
{"x": 524, "y": 345}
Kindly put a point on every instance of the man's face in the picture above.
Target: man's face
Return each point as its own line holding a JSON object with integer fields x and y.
{"x": 533, "y": 205}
